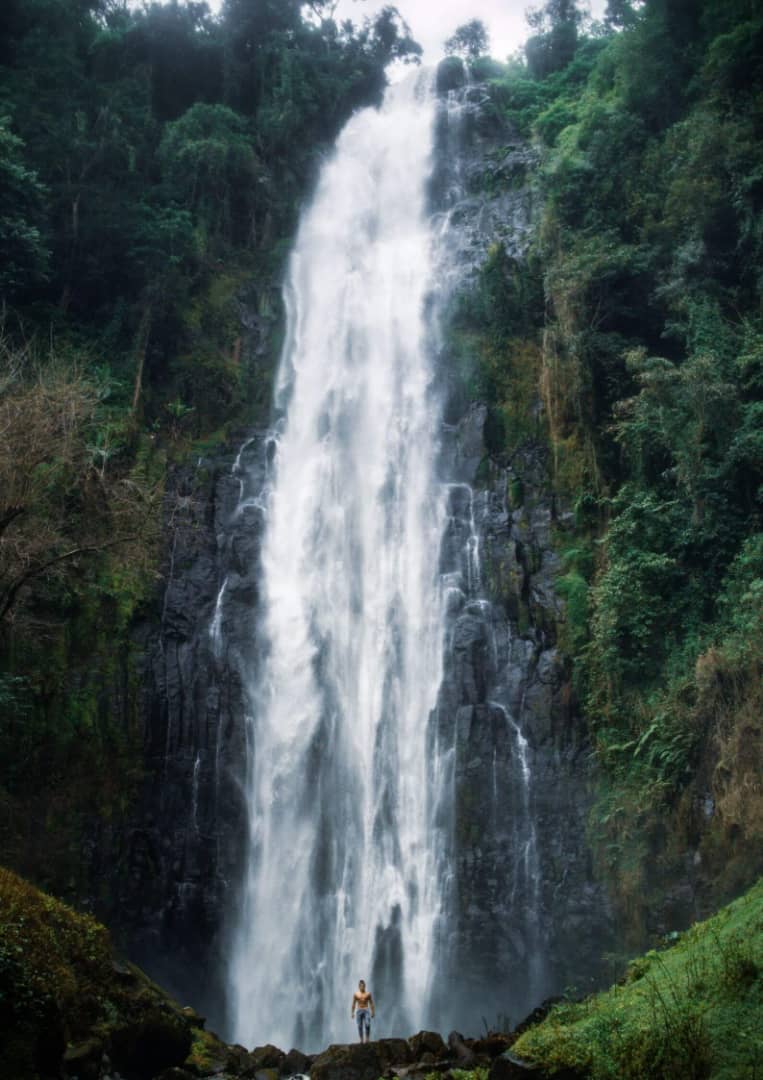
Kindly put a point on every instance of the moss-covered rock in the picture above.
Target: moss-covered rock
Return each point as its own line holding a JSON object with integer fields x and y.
{"x": 69, "y": 1008}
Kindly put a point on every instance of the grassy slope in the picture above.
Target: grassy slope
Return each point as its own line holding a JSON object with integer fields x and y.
{"x": 694, "y": 1010}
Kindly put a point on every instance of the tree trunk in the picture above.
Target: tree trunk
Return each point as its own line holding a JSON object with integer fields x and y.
{"x": 144, "y": 333}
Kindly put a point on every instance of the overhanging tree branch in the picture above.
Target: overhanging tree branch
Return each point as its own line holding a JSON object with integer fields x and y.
{"x": 35, "y": 571}
{"x": 9, "y": 515}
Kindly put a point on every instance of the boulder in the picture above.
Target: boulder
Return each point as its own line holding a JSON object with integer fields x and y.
{"x": 395, "y": 1051}
{"x": 84, "y": 1060}
{"x": 460, "y": 1051}
{"x": 492, "y": 1045}
{"x": 266, "y": 1057}
{"x": 359, "y": 1061}
{"x": 232, "y": 1058}
{"x": 509, "y": 1067}
{"x": 295, "y": 1063}
{"x": 427, "y": 1042}
{"x": 157, "y": 1041}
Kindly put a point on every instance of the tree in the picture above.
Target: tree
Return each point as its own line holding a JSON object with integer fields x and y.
{"x": 622, "y": 13}
{"x": 211, "y": 168}
{"x": 25, "y": 256}
{"x": 390, "y": 38}
{"x": 182, "y": 49}
{"x": 471, "y": 40}
{"x": 555, "y": 41}
{"x": 61, "y": 501}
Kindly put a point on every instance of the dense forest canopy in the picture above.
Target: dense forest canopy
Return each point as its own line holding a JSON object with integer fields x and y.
{"x": 149, "y": 157}
{"x": 152, "y": 164}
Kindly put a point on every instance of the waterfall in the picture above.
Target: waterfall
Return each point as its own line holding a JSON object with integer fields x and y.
{"x": 345, "y": 781}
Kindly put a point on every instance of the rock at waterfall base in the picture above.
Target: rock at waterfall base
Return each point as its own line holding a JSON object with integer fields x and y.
{"x": 361, "y": 1061}
{"x": 509, "y": 1067}
{"x": 295, "y": 1063}
{"x": 266, "y": 1057}
{"x": 425, "y": 1043}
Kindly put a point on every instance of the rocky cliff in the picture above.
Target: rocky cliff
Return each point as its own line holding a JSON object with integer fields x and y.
{"x": 184, "y": 851}
{"x": 525, "y": 916}
{"x": 528, "y": 916}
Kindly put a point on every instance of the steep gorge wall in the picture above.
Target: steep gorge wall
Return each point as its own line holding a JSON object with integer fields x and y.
{"x": 184, "y": 850}
{"x": 530, "y": 917}
{"x": 526, "y": 916}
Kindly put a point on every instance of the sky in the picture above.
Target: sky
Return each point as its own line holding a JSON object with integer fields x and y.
{"x": 432, "y": 21}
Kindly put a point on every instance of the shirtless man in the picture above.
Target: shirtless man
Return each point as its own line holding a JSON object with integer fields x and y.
{"x": 364, "y": 1002}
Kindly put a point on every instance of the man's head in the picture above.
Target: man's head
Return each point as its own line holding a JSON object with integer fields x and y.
{"x": 361, "y": 986}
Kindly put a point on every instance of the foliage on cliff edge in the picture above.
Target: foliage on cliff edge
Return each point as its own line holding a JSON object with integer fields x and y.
{"x": 631, "y": 340}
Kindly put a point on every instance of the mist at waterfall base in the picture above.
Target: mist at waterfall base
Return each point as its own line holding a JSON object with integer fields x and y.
{"x": 350, "y": 783}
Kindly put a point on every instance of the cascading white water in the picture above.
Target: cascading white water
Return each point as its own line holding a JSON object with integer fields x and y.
{"x": 343, "y": 878}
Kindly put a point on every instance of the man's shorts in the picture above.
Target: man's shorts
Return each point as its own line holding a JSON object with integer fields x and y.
{"x": 363, "y": 1017}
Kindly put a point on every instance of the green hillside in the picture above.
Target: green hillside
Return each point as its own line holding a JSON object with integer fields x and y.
{"x": 693, "y": 1010}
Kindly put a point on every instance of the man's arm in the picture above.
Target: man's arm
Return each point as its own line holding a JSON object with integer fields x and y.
{"x": 371, "y": 1003}
{"x": 354, "y": 999}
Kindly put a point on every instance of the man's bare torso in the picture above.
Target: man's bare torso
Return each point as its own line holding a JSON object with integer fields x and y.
{"x": 362, "y": 999}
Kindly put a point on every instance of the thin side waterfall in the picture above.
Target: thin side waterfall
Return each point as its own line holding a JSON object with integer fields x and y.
{"x": 347, "y": 827}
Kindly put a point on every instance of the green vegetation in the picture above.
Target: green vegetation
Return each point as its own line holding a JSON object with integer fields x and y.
{"x": 64, "y": 996}
{"x": 694, "y": 1010}
{"x": 147, "y": 153}
{"x": 480, "y": 1073}
{"x": 470, "y": 40}
{"x": 630, "y": 341}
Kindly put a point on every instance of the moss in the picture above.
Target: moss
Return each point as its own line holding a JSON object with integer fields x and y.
{"x": 480, "y": 1073}
{"x": 694, "y": 1010}
{"x": 206, "y": 1052}
{"x": 515, "y": 493}
{"x": 70, "y": 743}
{"x": 54, "y": 964}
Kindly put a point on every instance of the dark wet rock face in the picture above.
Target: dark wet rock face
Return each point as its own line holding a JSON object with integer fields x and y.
{"x": 367, "y": 1061}
{"x": 406, "y": 1059}
{"x": 184, "y": 854}
{"x": 527, "y": 915}
{"x": 481, "y": 178}
{"x": 523, "y": 915}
